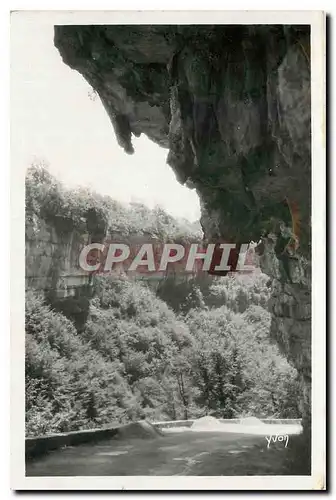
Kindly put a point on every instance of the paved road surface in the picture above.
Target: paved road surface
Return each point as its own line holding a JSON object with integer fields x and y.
{"x": 176, "y": 453}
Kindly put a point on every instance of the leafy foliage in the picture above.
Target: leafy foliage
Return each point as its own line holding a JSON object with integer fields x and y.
{"x": 240, "y": 372}
{"x": 68, "y": 385}
{"x": 137, "y": 359}
{"x": 183, "y": 349}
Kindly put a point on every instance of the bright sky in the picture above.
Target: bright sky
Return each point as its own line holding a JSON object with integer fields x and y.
{"x": 55, "y": 120}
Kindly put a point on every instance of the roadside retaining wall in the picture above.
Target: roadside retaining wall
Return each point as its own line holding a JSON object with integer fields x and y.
{"x": 188, "y": 423}
{"x": 40, "y": 445}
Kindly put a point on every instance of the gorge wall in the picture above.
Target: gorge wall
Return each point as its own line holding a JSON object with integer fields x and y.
{"x": 52, "y": 266}
{"x": 52, "y": 261}
{"x": 232, "y": 106}
{"x": 61, "y": 222}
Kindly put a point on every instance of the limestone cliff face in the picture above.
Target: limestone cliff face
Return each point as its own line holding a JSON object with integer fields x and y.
{"x": 52, "y": 267}
{"x": 52, "y": 262}
{"x": 232, "y": 106}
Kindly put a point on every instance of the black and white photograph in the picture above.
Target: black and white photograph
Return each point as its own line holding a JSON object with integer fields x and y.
{"x": 168, "y": 183}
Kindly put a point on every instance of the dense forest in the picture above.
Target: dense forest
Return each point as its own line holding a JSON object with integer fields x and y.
{"x": 175, "y": 349}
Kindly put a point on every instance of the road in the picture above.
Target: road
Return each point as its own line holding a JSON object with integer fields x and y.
{"x": 175, "y": 453}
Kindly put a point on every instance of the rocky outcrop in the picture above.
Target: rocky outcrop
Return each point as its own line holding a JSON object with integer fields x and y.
{"x": 52, "y": 261}
{"x": 232, "y": 106}
{"x": 52, "y": 267}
